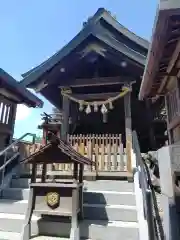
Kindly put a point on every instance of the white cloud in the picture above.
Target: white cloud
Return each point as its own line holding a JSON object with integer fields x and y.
{"x": 23, "y": 112}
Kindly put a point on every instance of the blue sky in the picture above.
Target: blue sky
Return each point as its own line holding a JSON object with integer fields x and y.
{"x": 31, "y": 31}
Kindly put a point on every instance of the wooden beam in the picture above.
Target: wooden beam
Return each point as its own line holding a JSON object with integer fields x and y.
{"x": 82, "y": 82}
{"x": 95, "y": 96}
{"x": 40, "y": 86}
{"x": 9, "y": 95}
{"x": 162, "y": 85}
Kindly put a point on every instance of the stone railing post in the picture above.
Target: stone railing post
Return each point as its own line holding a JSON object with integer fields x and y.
{"x": 167, "y": 166}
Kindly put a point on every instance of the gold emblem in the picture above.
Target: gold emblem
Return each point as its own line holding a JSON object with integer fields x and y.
{"x": 52, "y": 199}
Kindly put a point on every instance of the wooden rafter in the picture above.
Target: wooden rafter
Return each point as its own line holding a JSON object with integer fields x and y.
{"x": 173, "y": 40}
{"x": 174, "y": 58}
{"x": 171, "y": 64}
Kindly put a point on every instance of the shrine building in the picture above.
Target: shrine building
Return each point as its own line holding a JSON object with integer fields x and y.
{"x": 94, "y": 80}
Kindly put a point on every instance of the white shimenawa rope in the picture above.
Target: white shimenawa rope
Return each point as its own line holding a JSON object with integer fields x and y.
{"x": 97, "y": 103}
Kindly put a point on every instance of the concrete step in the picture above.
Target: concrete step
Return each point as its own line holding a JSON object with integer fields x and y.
{"x": 20, "y": 183}
{"x": 9, "y": 235}
{"x": 49, "y": 238}
{"x": 109, "y": 185}
{"x": 17, "y": 236}
{"x": 110, "y": 212}
{"x": 14, "y": 223}
{"x": 16, "y": 193}
{"x": 90, "y": 197}
{"x": 91, "y": 211}
{"x": 100, "y": 185}
{"x": 109, "y": 197}
{"x": 13, "y": 206}
{"x": 89, "y": 229}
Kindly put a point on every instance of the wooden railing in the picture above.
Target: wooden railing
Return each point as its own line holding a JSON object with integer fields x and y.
{"x": 106, "y": 151}
{"x": 7, "y": 119}
{"x": 6, "y": 108}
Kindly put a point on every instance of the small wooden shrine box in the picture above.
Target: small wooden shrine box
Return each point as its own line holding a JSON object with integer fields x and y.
{"x": 56, "y": 197}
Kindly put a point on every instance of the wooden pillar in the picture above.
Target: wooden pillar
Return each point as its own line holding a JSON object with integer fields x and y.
{"x": 65, "y": 122}
{"x": 34, "y": 172}
{"x": 12, "y": 116}
{"x": 128, "y": 130}
{"x": 81, "y": 169}
{"x": 75, "y": 171}
{"x": 152, "y": 138}
{"x": 44, "y": 138}
{"x": 170, "y": 135}
{"x": 44, "y": 165}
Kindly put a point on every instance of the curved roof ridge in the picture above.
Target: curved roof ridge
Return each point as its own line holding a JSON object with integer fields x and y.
{"x": 32, "y": 75}
{"x": 143, "y": 42}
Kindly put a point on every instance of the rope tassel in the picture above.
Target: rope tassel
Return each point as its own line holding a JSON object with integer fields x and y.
{"x": 88, "y": 109}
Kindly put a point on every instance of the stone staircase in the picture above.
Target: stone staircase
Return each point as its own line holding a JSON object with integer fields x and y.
{"x": 109, "y": 210}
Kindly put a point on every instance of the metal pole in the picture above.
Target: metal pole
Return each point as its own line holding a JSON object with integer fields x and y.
{"x": 150, "y": 217}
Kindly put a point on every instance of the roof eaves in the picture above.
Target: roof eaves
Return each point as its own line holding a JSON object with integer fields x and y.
{"x": 106, "y": 15}
{"x": 126, "y": 32}
{"x": 91, "y": 21}
{"x": 147, "y": 79}
{"x": 158, "y": 41}
{"x": 16, "y": 87}
{"x": 52, "y": 61}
